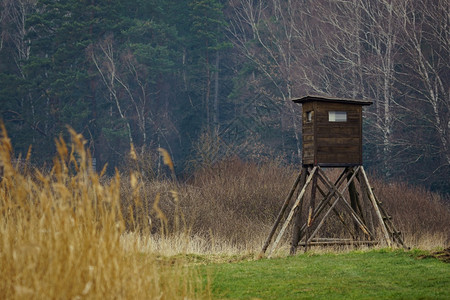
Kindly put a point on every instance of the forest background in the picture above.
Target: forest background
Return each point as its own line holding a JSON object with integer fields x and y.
{"x": 209, "y": 79}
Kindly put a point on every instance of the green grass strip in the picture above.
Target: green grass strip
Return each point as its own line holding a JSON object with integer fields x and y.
{"x": 378, "y": 274}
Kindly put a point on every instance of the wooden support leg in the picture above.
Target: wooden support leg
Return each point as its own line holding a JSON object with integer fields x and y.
{"x": 376, "y": 208}
{"x": 296, "y": 232}
{"x": 291, "y": 213}
{"x": 301, "y": 175}
{"x": 354, "y": 200}
{"x": 366, "y": 200}
{"x": 326, "y": 201}
{"x": 394, "y": 233}
{"x": 329, "y": 202}
{"x": 312, "y": 204}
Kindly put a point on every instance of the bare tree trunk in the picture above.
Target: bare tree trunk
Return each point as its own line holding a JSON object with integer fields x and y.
{"x": 275, "y": 54}
{"x": 347, "y": 70}
{"x": 13, "y": 15}
{"x": 109, "y": 77}
{"x": 216, "y": 91}
{"x": 426, "y": 26}
{"x": 207, "y": 89}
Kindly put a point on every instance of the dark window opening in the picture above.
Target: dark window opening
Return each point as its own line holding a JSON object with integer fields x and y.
{"x": 309, "y": 116}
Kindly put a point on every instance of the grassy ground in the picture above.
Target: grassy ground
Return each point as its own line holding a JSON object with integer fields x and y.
{"x": 356, "y": 275}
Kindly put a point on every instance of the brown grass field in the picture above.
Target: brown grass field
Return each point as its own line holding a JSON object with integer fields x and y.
{"x": 63, "y": 236}
{"x": 71, "y": 233}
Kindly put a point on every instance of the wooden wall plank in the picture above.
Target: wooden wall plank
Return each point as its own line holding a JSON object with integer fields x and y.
{"x": 326, "y": 142}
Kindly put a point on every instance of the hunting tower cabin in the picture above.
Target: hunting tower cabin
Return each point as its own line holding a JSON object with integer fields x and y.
{"x": 332, "y": 137}
{"x": 332, "y": 131}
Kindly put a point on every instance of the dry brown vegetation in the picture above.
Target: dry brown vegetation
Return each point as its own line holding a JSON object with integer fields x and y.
{"x": 423, "y": 216}
{"x": 73, "y": 233}
{"x": 62, "y": 237}
{"x": 235, "y": 203}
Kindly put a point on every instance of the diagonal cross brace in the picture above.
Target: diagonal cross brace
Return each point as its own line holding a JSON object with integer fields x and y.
{"x": 291, "y": 213}
{"x": 347, "y": 205}
{"x": 340, "y": 196}
{"x": 327, "y": 199}
{"x": 281, "y": 213}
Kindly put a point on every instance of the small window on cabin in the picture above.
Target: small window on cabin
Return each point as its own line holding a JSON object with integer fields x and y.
{"x": 309, "y": 116}
{"x": 337, "y": 116}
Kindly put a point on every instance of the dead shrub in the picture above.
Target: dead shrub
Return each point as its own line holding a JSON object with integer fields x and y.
{"x": 238, "y": 202}
{"x": 421, "y": 216}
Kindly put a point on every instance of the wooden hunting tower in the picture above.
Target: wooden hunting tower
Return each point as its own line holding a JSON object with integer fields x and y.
{"x": 332, "y": 137}
{"x": 332, "y": 131}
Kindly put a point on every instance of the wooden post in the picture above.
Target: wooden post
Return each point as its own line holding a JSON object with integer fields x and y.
{"x": 354, "y": 200}
{"x": 283, "y": 209}
{"x": 312, "y": 204}
{"x": 375, "y": 206}
{"x": 365, "y": 197}
{"x": 296, "y": 231}
{"x": 291, "y": 213}
{"x": 305, "y": 232}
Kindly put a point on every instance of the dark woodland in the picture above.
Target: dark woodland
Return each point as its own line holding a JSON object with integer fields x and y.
{"x": 210, "y": 80}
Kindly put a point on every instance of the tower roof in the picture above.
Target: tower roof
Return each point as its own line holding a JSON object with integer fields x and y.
{"x": 311, "y": 98}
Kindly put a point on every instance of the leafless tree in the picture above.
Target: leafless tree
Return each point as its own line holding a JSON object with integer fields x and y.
{"x": 338, "y": 47}
{"x": 105, "y": 60}
{"x": 426, "y": 27}
{"x": 130, "y": 90}
{"x": 13, "y": 14}
{"x": 270, "y": 35}
{"x": 13, "y": 36}
{"x": 354, "y": 48}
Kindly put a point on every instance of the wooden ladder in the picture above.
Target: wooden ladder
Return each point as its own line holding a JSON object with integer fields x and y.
{"x": 395, "y": 234}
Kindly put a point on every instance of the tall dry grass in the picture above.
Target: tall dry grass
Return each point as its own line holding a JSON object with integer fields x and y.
{"x": 62, "y": 236}
{"x": 422, "y": 216}
{"x": 230, "y": 207}
{"x": 72, "y": 233}
{"x": 227, "y": 207}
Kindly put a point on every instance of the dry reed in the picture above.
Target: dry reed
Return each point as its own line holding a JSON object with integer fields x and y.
{"x": 231, "y": 206}
{"x": 62, "y": 236}
{"x": 72, "y": 233}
